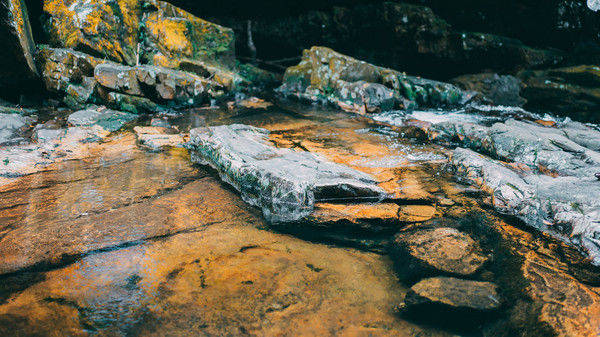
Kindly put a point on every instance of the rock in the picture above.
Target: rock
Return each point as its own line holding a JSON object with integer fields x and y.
{"x": 325, "y": 75}
{"x": 120, "y": 78}
{"x": 17, "y": 55}
{"x": 155, "y": 138}
{"x": 172, "y": 34}
{"x": 561, "y": 150}
{"x": 109, "y": 120}
{"x": 284, "y": 183}
{"x": 452, "y": 294}
{"x": 499, "y": 90}
{"x": 425, "y": 252}
{"x": 571, "y": 91}
{"x": 415, "y": 213}
{"x": 12, "y": 127}
{"x": 560, "y": 206}
{"x": 130, "y": 31}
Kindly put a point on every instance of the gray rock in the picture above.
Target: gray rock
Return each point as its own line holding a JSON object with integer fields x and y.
{"x": 284, "y": 183}
{"x": 566, "y": 207}
{"x": 453, "y": 294}
{"x": 109, "y": 120}
{"x": 12, "y": 127}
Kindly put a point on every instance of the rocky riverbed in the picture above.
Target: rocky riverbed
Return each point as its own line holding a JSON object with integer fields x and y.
{"x": 154, "y": 181}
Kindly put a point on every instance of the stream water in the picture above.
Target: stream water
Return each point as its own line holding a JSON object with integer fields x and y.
{"x": 127, "y": 242}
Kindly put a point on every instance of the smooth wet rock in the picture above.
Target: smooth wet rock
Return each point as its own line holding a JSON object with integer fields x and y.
{"x": 325, "y": 75}
{"x": 416, "y": 213}
{"x": 421, "y": 252}
{"x": 284, "y": 183}
{"x": 454, "y": 294}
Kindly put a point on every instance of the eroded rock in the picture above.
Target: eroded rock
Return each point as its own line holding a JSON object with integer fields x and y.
{"x": 284, "y": 183}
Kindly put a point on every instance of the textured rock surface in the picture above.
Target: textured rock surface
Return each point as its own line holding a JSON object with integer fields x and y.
{"x": 12, "y": 127}
{"x": 327, "y": 76}
{"x": 284, "y": 183}
{"x": 427, "y": 252}
{"x": 126, "y": 31}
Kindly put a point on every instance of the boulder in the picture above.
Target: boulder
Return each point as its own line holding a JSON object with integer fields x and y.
{"x": 498, "y": 89}
{"x": 172, "y": 35}
{"x": 129, "y": 32}
{"x": 284, "y": 183}
{"x": 324, "y": 75}
{"x": 448, "y": 294}
{"x": 423, "y": 252}
{"x": 18, "y": 48}
{"x": 572, "y": 91}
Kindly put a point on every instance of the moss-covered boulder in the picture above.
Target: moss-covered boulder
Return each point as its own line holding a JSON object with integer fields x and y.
{"x": 18, "y": 48}
{"x": 571, "y": 91}
{"x": 172, "y": 35}
{"x": 134, "y": 31}
{"x": 324, "y": 75}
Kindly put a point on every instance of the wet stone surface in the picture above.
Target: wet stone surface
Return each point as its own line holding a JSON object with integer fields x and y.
{"x": 128, "y": 238}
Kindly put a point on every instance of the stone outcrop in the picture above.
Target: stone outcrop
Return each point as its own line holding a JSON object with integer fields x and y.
{"x": 284, "y": 183}
{"x": 324, "y": 75}
{"x": 422, "y": 252}
{"x": 542, "y": 173}
{"x": 572, "y": 91}
{"x": 129, "y": 32}
{"x": 18, "y": 48}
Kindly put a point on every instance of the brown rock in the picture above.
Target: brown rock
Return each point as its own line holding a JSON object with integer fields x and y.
{"x": 432, "y": 251}
{"x": 416, "y": 213}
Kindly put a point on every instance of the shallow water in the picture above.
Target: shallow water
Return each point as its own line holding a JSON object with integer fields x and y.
{"x": 127, "y": 243}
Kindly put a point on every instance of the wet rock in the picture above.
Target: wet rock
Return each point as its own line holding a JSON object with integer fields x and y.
{"x": 561, "y": 206}
{"x": 571, "y": 91}
{"x": 560, "y": 149}
{"x": 17, "y": 55}
{"x": 453, "y": 294}
{"x": 324, "y": 75}
{"x": 284, "y": 183}
{"x": 425, "y": 252}
{"x": 109, "y": 120}
{"x": 415, "y": 213}
{"x": 499, "y": 90}
{"x": 13, "y": 127}
{"x": 155, "y": 137}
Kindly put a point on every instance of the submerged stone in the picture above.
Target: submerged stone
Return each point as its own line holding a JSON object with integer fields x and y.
{"x": 420, "y": 252}
{"x": 284, "y": 183}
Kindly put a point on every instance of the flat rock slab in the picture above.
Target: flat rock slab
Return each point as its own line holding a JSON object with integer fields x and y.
{"x": 430, "y": 251}
{"x": 109, "y": 120}
{"x": 284, "y": 183}
{"x": 453, "y": 294}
